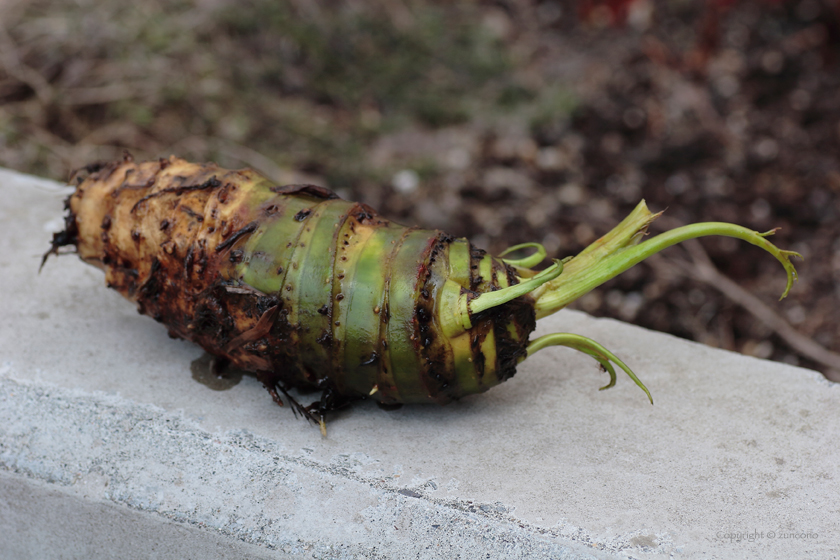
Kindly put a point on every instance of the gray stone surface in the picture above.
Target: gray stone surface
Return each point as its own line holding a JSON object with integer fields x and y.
{"x": 106, "y": 441}
{"x": 52, "y": 521}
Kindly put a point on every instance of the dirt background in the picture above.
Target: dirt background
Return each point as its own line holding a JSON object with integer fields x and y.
{"x": 505, "y": 121}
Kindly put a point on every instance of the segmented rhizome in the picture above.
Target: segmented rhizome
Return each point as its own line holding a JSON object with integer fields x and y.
{"x": 294, "y": 283}
{"x": 308, "y": 290}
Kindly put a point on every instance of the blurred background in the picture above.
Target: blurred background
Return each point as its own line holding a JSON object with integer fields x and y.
{"x": 503, "y": 121}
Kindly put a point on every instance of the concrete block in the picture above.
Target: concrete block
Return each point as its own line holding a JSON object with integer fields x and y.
{"x": 110, "y": 449}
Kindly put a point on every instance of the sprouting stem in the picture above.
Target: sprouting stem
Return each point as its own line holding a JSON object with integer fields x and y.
{"x": 592, "y": 348}
{"x": 619, "y": 250}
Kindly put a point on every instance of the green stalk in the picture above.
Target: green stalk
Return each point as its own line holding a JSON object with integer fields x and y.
{"x": 592, "y": 348}
{"x": 620, "y": 249}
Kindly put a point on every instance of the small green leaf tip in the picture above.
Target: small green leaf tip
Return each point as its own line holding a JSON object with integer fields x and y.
{"x": 591, "y": 348}
{"x": 526, "y": 262}
{"x": 784, "y": 257}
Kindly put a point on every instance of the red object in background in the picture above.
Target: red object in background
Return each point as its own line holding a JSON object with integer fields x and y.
{"x": 615, "y": 12}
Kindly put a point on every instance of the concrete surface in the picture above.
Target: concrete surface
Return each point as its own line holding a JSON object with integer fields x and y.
{"x": 109, "y": 448}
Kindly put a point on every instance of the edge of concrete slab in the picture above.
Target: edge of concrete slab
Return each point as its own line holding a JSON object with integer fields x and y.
{"x": 96, "y": 452}
{"x": 71, "y": 525}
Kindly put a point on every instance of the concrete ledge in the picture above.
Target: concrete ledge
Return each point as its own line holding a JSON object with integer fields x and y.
{"x": 105, "y": 438}
{"x": 51, "y": 521}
